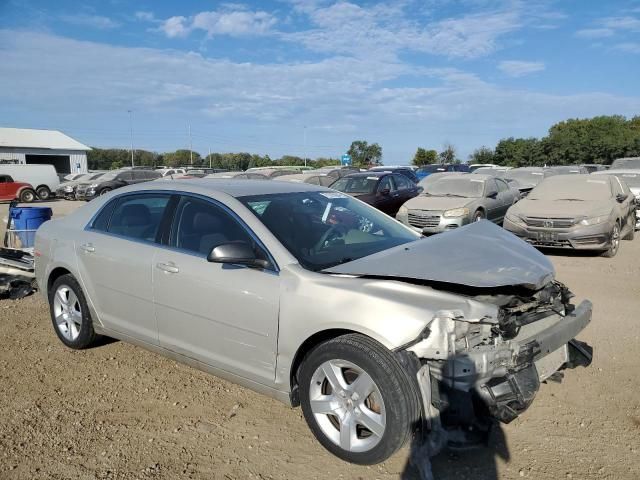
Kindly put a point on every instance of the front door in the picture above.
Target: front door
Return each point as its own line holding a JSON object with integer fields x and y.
{"x": 115, "y": 255}
{"x": 221, "y": 314}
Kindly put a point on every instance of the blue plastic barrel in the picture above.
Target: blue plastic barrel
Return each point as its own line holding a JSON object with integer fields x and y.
{"x": 29, "y": 219}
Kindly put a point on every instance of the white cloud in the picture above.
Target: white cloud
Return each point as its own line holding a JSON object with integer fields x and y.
{"x": 518, "y": 68}
{"x": 175, "y": 27}
{"x": 628, "y": 47}
{"x": 65, "y": 80}
{"x": 622, "y": 23}
{"x": 146, "y": 16}
{"x": 595, "y": 33}
{"x": 234, "y": 20}
{"x": 93, "y": 21}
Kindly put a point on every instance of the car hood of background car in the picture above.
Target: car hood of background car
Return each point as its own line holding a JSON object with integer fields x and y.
{"x": 427, "y": 202}
{"x": 562, "y": 208}
{"x": 480, "y": 255}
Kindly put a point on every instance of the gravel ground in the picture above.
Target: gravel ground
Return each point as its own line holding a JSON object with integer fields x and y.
{"x": 117, "y": 411}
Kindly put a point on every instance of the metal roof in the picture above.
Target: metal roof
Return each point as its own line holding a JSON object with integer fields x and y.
{"x": 29, "y": 138}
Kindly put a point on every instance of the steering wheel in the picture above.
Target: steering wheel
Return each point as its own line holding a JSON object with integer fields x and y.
{"x": 334, "y": 232}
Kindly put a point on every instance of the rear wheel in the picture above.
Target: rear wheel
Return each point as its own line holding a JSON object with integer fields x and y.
{"x": 357, "y": 400}
{"x": 27, "y": 195}
{"x": 104, "y": 191}
{"x": 479, "y": 215}
{"x": 615, "y": 242}
{"x": 70, "y": 313}
{"x": 43, "y": 193}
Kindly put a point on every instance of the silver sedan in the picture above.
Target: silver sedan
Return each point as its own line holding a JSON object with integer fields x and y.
{"x": 316, "y": 299}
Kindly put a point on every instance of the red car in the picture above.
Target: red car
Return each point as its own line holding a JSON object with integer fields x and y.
{"x": 10, "y": 190}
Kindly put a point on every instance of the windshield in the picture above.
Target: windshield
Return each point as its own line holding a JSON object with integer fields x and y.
{"x": 359, "y": 184}
{"x": 96, "y": 175}
{"x": 631, "y": 179}
{"x": 456, "y": 187}
{"x": 433, "y": 169}
{"x": 626, "y": 163}
{"x": 572, "y": 189}
{"x": 525, "y": 177}
{"x": 324, "y": 229}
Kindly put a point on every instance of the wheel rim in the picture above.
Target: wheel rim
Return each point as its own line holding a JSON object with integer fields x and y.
{"x": 348, "y": 405}
{"x": 615, "y": 238}
{"x": 28, "y": 197}
{"x": 67, "y": 312}
{"x": 479, "y": 216}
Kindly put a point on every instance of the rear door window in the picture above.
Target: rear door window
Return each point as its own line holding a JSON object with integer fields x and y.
{"x": 138, "y": 217}
{"x": 386, "y": 184}
{"x": 502, "y": 186}
{"x": 402, "y": 182}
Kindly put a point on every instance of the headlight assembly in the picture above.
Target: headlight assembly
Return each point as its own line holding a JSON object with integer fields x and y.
{"x": 594, "y": 220}
{"x": 403, "y": 212}
{"x": 456, "y": 212}
{"x": 513, "y": 218}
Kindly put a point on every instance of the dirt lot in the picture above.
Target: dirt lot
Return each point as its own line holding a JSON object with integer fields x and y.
{"x": 116, "y": 411}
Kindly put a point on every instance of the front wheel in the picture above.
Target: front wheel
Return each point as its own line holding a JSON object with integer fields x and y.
{"x": 358, "y": 401}
{"x": 43, "y": 193}
{"x": 104, "y": 191}
{"x": 615, "y": 242}
{"x": 479, "y": 215}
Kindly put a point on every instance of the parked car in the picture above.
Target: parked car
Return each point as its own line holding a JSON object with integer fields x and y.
{"x": 474, "y": 166}
{"x": 238, "y": 175}
{"x": 69, "y": 177}
{"x": 337, "y": 172}
{"x": 295, "y": 168}
{"x": 407, "y": 172}
{"x": 310, "y": 176}
{"x": 456, "y": 200}
{"x": 569, "y": 169}
{"x": 426, "y": 181}
{"x": 626, "y": 162}
{"x": 167, "y": 172}
{"x": 112, "y": 180}
{"x": 44, "y": 178}
{"x": 579, "y": 211}
{"x": 201, "y": 172}
{"x": 67, "y": 190}
{"x": 427, "y": 170}
{"x": 12, "y": 190}
{"x": 382, "y": 190}
{"x": 528, "y": 177}
{"x": 594, "y": 167}
{"x": 632, "y": 179}
{"x": 493, "y": 171}
{"x": 273, "y": 172}
{"x": 316, "y": 299}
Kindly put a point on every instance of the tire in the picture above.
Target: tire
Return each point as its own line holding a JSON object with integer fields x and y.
{"x": 393, "y": 402}
{"x": 70, "y": 313}
{"x": 27, "y": 195}
{"x": 104, "y": 191}
{"x": 632, "y": 230}
{"x": 615, "y": 242}
{"x": 479, "y": 215}
{"x": 43, "y": 193}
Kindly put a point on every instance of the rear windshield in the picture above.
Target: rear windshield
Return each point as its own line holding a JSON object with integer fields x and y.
{"x": 631, "y": 179}
{"x": 626, "y": 163}
{"x": 433, "y": 169}
{"x": 526, "y": 177}
{"x": 451, "y": 186}
{"x": 575, "y": 188}
{"x": 359, "y": 184}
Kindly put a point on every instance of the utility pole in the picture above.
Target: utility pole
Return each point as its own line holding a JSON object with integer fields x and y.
{"x": 305, "y": 145}
{"x": 209, "y": 157}
{"x": 131, "y": 130}
{"x": 190, "y": 147}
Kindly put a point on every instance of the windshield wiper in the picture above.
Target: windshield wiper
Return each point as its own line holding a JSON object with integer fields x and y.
{"x": 454, "y": 195}
{"x": 569, "y": 200}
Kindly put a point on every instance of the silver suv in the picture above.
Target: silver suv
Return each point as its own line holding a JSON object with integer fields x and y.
{"x": 317, "y": 299}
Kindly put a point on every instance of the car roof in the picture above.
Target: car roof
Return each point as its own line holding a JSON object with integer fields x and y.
{"x": 231, "y": 187}
{"x": 300, "y": 176}
{"x": 370, "y": 173}
{"x": 613, "y": 171}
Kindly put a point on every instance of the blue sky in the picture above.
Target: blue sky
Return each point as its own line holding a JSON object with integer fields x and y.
{"x": 260, "y": 76}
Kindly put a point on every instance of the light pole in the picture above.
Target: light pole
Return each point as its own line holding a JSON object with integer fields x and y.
{"x": 305, "y": 144}
{"x": 131, "y": 131}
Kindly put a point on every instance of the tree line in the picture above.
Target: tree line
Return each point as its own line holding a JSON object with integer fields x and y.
{"x": 594, "y": 140}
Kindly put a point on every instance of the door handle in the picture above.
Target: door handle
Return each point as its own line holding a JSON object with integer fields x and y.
{"x": 88, "y": 247}
{"x": 168, "y": 267}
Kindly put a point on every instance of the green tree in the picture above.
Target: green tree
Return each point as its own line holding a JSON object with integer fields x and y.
{"x": 448, "y": 154}
{"x": 520, "y": 152}
{"x": 482, "y": 155}
{"x": 425, "y": 157}
{"x": 181, "y": 158}
{"x": 364, "y": 154}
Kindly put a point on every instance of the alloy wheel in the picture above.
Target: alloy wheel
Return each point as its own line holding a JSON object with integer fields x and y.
{"x": 348, "y": 405}
{"x": 67, "y": 312}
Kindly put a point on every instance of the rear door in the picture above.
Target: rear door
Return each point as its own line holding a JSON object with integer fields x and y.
{"x": 494, "y": 205}
{"x": 406, "y": 189}
{"x": 627, "y": 207}
{"x": 506, "y": 198}
{"x": 115, "y": 253}
{"x": 387, "y": 196}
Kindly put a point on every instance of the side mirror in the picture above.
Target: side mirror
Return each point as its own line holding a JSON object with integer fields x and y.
{"x": 492, "y": 194}
{"x": 385, "y": 191}
{"x": 621, "y": 197}
{"x": 238, "y": 253}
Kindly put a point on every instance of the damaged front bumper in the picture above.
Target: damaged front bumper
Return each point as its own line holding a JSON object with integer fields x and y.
{"x": 477, "y": 378}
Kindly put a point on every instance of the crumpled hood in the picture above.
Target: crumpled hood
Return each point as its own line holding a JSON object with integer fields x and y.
{"x": 425, "y": 202}
{"x": 477, "y": 255}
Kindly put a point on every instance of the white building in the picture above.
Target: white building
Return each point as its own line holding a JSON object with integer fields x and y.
{"x": 21, "y": 145}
